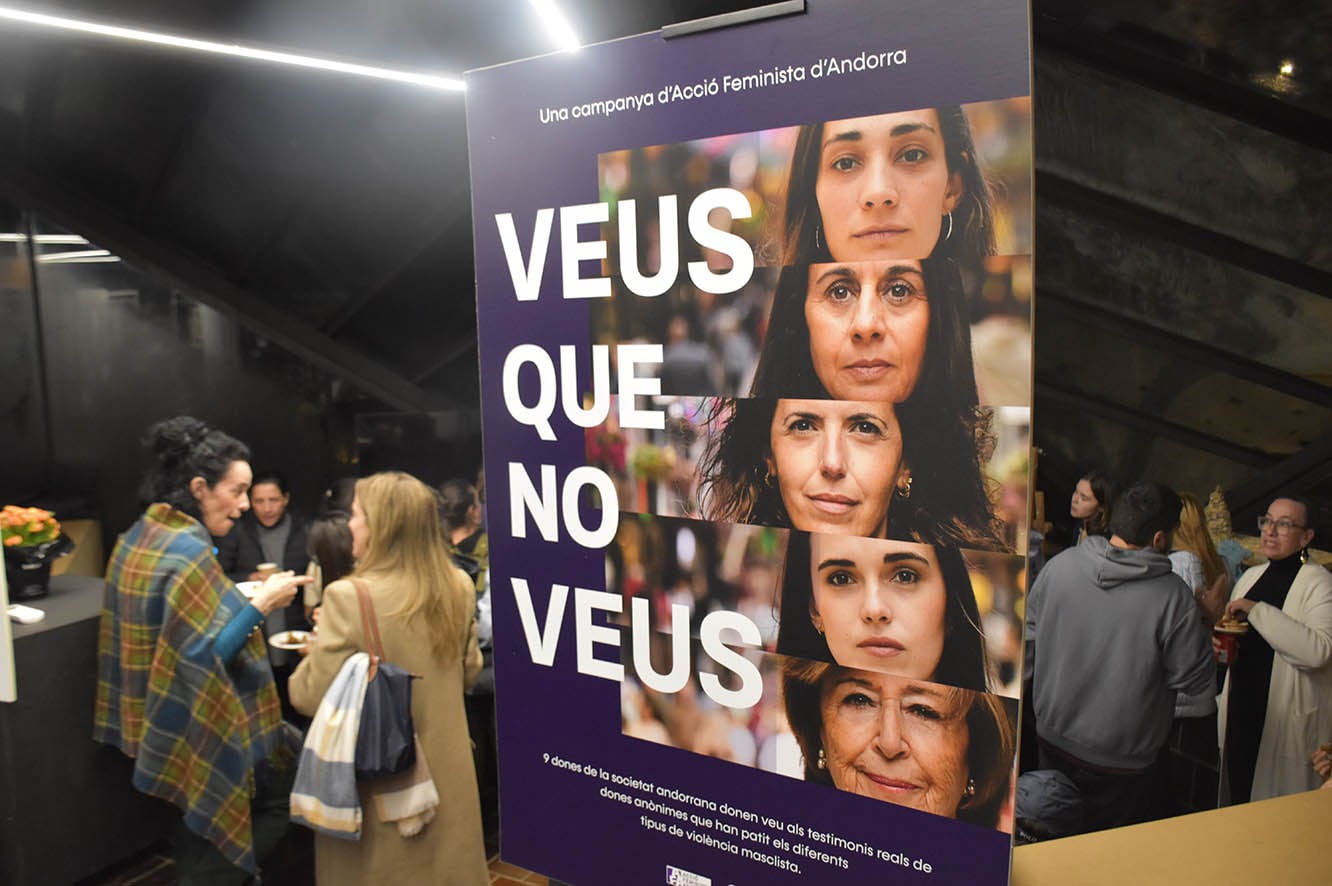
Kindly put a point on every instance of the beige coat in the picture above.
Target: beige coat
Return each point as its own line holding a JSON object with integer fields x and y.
{"x": 1299, "y": 699}
{"x": 450, "y": 850}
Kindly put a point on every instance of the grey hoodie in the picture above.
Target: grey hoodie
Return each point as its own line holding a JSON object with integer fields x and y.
{"x": 1112, "y": 636}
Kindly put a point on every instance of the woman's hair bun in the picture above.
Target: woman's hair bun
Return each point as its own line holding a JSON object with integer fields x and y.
{"x": 173, "y": 439}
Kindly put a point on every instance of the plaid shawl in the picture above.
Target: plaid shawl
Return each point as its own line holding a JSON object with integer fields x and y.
{"x": 196, "y": 726}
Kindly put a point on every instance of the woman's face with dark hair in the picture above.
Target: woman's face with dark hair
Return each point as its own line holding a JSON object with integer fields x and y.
{"x": 884, "y": 186}
{"x": 1083, "y": 503}
{"x": 221, "y": 504}
{"x": 1286, "y": 530}
{"x": 903, "y": 741}
{"x": 868, "y": 323}
{"x": 880, "y": 604}
{"x": 836, "y": 464}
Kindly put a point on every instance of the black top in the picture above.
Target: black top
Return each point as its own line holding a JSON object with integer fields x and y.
{"x": 1250, "y": 680}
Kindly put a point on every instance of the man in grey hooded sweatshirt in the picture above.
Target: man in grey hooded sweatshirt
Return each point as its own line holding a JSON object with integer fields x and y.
{"x": 1112, "y": 636}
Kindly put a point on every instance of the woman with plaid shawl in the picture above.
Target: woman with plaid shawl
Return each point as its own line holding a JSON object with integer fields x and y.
{"x": 184, "y": 686}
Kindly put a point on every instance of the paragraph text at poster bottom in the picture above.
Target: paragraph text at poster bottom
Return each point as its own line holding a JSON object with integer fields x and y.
{"x": 779, "y": 843}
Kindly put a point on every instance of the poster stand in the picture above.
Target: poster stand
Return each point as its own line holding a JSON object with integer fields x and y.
{"x": 676, "y": 696}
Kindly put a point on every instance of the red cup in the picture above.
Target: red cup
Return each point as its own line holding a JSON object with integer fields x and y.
{"x": 1226, "y": 649}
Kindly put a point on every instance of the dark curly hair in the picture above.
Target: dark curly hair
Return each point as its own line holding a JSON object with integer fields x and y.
{"x": 949, "y": 504}
{"x": 184, "y": 448}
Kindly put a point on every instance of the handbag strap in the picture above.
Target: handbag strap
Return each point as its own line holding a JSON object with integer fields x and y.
{"x": 370, "y": 627}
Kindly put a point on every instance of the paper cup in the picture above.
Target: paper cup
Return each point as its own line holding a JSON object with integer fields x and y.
{"x": 1227, "y": 649}
{"x": 266, "y": 569}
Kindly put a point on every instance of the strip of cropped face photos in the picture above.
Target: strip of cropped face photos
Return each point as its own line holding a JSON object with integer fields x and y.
{"x": 844, "y": 460}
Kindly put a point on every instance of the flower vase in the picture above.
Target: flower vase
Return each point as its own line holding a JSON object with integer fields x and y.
{"x": 29, "y": 577}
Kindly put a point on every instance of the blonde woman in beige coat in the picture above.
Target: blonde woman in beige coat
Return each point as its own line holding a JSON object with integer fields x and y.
{"x": 423, "y": 604}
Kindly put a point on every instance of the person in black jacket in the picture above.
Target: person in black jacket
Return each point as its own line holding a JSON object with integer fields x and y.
{"x": 269, "y": 532}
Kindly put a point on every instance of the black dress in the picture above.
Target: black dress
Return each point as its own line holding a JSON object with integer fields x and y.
{"x": 1250, "y": 681}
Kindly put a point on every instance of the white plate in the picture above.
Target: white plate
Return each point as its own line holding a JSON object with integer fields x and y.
{"x": 292, "y": 640}
{"x": 248, "y": 588}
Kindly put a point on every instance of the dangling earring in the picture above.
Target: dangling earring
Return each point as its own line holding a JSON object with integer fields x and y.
{"x": 948, "y": 233}
{"x": 822, "y": 761}
{"x": 1304, "y": 556}
{"x": 971, "y": 787}
{"x": 768, "y": 478}
{"x": 904, "y": 487}
{"x": 817, "y": 243}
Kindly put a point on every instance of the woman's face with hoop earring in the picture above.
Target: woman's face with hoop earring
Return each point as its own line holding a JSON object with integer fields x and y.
{"x": 836, "y": 464}
{"x": 883, "y": 186}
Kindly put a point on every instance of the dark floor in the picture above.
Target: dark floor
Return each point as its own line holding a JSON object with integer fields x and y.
{"x": 292, "y": 866}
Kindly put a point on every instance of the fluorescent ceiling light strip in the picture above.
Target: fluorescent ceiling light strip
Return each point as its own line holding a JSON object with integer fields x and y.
{"x": 231, "y": 49}
{"x": 72, "y": 256}
{"x": 89, "y": 260}
{"x": 66, "y": 239}
{"x": 557, "y": 26}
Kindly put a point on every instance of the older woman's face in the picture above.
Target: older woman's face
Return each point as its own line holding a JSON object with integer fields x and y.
{"x": 883, "y": 186}
{"x": 836, "y": 463}
{"x": 867, "y": 327}
{"x": 880, "y": 604}
{"x": 221, "y": 504}
{"x": 1287, "y": 530}
{"x": 904, "y": 741}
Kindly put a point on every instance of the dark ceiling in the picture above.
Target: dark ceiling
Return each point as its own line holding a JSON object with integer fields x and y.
{"x": 1184, "y": 271}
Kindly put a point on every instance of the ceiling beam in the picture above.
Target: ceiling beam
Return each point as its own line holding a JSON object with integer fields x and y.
{"x": 1305, "y": 469}
{"x": 1110, "y": 51}
{"x": 74, "y": 212}
{"x": 1190, "y": 350}
{"x": 1050, "y": 393}
{"x": 1151, "y": 224}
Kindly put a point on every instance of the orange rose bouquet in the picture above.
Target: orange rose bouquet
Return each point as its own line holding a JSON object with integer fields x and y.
{"x": 32, "y": 540}
{"x": 25, "y": 527}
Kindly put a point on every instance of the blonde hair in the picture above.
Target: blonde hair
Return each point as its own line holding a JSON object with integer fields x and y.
{"x": 1191, "y": 535}
{"x": 406, "y": 544}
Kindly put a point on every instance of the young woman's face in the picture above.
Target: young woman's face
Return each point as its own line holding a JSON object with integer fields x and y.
{"x": 360, "y": 530}
{"x": 836, "y": 463}
{"x": 903, "y": 741}
{"x": 1084, "y": 502}
{"x": 883, "y": 186}
{"x": 221, "y": 504}
{"x": 867, "y": 328}
{"x": 880, "y": 604}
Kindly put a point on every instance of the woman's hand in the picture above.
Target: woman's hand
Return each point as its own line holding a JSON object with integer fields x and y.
{"x": 1322, "y": 761}
{"x": 278, "y": 590}
{"x": 1240, "y": 608}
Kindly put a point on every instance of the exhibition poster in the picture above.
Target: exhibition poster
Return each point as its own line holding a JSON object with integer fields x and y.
{"x": 754, "y": 319}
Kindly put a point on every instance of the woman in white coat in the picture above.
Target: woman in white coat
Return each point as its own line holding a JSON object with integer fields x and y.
{"x": 1277, "y": 701}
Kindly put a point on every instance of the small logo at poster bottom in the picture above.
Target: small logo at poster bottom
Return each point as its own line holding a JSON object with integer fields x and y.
{"x": 677, "y": 877}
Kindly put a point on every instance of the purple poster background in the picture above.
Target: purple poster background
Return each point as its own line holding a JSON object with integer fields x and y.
{"x": 553, "y": 819}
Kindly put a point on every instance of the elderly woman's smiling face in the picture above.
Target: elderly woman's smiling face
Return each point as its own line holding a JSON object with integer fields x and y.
{"x": 894, "y": 739}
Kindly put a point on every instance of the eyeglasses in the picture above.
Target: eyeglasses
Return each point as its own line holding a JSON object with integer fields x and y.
{"x": 1280, "y": 527}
